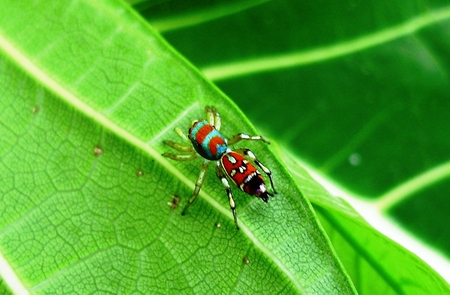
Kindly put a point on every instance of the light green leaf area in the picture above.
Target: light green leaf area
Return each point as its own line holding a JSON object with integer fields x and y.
{"x": 89, "y": 92}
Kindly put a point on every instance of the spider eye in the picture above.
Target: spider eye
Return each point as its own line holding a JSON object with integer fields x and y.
{"x": 194, "y": 122}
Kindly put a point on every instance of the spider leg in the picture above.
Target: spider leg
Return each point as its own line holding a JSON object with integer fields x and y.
{"x": 217, "y": 121}
{"x": 181, "y": 134}
{"x": 243, "y": 136}
{"x": 224, "y": 181}
{"x": 179, "y": 146}
{"x": 251, "y": 155}
{"x": 213, "y": 117}
{"x": 210, "y": 115}
{"x": 188, "y": 149}
{"x": 181, "y": 157}
{"x": 198, "y": 186}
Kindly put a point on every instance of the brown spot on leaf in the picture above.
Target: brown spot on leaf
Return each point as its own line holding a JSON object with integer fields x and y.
{"x": 98, "y": 151}
{"x": 174, "y": 203}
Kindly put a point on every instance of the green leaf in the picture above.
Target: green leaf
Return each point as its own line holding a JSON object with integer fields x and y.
{"x": 4, "y": 288}
{"x": 89, "y": 91}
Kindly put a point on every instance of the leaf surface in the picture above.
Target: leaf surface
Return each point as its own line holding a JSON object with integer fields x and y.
{"x": 89, "y": 93}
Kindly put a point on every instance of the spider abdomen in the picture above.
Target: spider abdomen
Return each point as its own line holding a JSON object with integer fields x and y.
{"x": 244, "y": 174}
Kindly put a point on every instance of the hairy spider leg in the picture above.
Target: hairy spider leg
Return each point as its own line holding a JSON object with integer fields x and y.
{"x": 243, "y": 136}
{"x": 179, "y": 146}
{"x": 181, "y": 157}
{"x": 198, "y": 185}
{"x": 188, "y": 149}
{"x": 213, "y": 117}
{"x": 251, "y": 155}
{"x": 181, "y": 134}
{"x": 210, "y": 112}
{"x": 224, "y": 181}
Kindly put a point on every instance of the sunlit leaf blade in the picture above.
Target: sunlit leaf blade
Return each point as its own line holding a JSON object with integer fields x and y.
{"x": 89, "y": 91}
